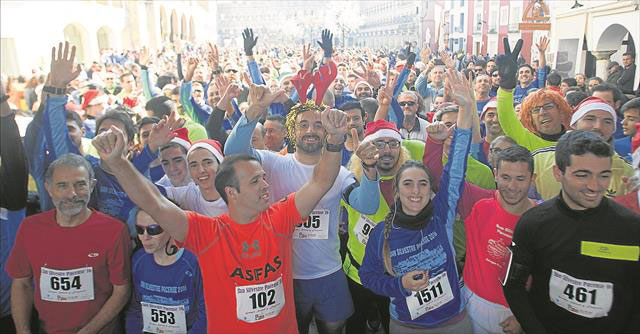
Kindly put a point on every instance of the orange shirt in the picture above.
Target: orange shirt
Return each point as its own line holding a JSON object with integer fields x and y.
{"x": 246, "y": 269}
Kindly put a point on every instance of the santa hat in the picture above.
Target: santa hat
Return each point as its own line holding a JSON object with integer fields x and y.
{"x": 590, "y": 104}
{"x": 381, "y": 129}
{"x": 211, "y": 145}
{"x": 362, "y": 82}
{"x": 493, "y": 103}
{"x": 91, "y": 98}
{"x": 182, "y": 138}
{"x": 635, "y": 147}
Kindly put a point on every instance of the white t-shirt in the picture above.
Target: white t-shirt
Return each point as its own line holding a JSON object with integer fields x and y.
{"x": 190, "y": 198}
{"x": 312, "y": 258}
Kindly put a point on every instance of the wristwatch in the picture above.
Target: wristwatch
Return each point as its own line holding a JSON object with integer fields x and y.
{"x": 333, "y": 147}
{"x": 54, "y": 90}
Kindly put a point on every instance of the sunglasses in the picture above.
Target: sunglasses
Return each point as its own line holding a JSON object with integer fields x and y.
{"x": 495, "y": 75}
{"x": 381, "y": 144}
{"x": 198, "y": 91}
{"x": 231, "y": 70}
{"x": 154, "y": 229}
{"x": 407, "y": 103}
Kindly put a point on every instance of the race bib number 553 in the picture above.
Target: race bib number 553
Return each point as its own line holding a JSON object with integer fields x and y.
{"x": 66, "y": 286}
{"x": 163, "y": 319}
{"x": 259, "y": 302}
{"x": 590, "y": 299}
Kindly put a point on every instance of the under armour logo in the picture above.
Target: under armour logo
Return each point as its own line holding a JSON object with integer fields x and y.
{"x": 254, "y": 248}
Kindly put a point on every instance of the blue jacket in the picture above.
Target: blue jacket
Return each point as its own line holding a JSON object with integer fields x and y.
{"x": 428, "y": 249}
{"x": 520, "y": 93}
{"x": 176, "y": 284}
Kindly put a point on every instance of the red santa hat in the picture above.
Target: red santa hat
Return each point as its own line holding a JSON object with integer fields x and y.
{"x": 92, "y": 97}
{"x": 590, "y": 104}
{"x": 182, "y": 138}
{"x": 381, "y": 129}
{"x": 635, "y": 147}
{"x": 493, "y": 103}
{"x": 211, "y": 145}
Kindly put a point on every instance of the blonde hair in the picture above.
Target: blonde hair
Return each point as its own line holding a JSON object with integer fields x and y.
{"x": 290, "y": 121}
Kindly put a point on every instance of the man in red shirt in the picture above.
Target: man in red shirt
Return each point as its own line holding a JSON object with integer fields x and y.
{"x": 489, "y": 229}
{"x": 245, "y": 255}
{"x": 71, "y": 262}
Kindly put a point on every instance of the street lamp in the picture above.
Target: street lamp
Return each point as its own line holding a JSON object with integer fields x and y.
{"x": 576, "y": 5}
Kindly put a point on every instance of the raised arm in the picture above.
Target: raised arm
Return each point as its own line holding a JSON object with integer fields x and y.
{"x": 326, "y": 171}
{"x": 140, "y": 190}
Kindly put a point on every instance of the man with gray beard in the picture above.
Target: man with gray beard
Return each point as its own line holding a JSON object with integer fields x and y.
{"x": 71, "y": 262}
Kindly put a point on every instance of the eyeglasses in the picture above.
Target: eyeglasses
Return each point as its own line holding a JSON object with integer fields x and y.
{"x": 407, "y": 103}
{"x": 545, "y": 107}
{"x": 198, "y": 91}
{"x": 231, "y": 70}
{"x": 154, "y": 229}
{"x": 380, "y": 144}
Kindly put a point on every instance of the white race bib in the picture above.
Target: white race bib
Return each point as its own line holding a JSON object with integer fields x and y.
{"x": 433, "y": 296}
{"x": 66, "y": 286}
{"x": 259, "y": 302}
{"x": 316, "y": 226}
{"x": 590, "y": 299}
{"x": 163, "y": 319}
{"x": 363, "y": 229}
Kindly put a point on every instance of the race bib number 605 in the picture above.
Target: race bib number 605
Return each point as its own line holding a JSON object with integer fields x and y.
{"x": 66, "y": 286}
{"x": 259, "y": 302}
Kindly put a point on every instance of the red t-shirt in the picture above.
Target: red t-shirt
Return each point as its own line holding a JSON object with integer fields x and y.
{"x": 101, "y": 242}
{"x": 489, "y": 230}
{"x": 630, "y": 200}
{"x": 246, "y": 269}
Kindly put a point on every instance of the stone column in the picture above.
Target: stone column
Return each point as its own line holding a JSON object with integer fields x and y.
{"x": 602, "y": 62}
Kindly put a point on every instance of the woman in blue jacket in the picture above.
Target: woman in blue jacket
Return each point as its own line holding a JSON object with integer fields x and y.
{"x": 410, "y": 257}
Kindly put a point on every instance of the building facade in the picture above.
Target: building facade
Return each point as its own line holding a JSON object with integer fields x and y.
{"x": 30, "y": 28}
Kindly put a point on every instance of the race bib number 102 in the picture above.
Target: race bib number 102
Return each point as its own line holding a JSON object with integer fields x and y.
{"x": 260, "y": 301}
{"x": 66, "y": 286}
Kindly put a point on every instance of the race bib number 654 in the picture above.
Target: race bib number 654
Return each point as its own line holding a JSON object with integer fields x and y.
{"x": 66, "y": 286}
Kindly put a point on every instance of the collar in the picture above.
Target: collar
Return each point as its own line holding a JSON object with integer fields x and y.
{"x": 417, "y": 222}
{"x": 582, "y": 214}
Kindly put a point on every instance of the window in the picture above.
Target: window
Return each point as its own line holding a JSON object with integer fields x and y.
{"x": 478, "y": 23}
{"x": 461, "y": 3}
{"x": 504, "y": 15}
{"x": 461, "y": 22}
{"x": 451, "y": 25}
{"x": 514, "y": 18}
{"x": 493, "y": 21}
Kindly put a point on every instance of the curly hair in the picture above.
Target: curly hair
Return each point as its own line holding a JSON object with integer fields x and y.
{"x": 290, "y": 123}
{"x": 537, "y": 99}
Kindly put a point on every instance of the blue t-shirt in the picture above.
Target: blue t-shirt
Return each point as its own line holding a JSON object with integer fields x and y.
{"x": 177, "y": 284}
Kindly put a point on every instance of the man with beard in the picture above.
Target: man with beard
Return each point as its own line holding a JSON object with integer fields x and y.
{"x": 413, "y": 127}
{"x": 594, "y": 115}
{"x": 363, "y": 90}
{"x": 356, "y": 119}
{"x": 320, "y": 286}
{"x": 580, "y": 249}
{"x": 71, "y": 262}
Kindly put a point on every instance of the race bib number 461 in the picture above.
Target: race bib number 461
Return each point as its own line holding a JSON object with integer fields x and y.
{"x": 590, "y": 299}
{"x": 316, "y": 226}
{"x": 259, "y": 302}
{"x": 163, "y": 319}
{"x": 66, "y": 286}
{"x": 433, "y": 296}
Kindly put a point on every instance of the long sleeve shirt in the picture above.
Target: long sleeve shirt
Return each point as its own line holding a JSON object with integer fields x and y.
{"x": 520, "y": 92}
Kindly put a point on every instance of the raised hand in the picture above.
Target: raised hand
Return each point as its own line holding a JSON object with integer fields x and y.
{"x": 261, "y": 97}
{"x": 438, "y": 131}
{"x": 249, "y": 41}
{"x": 508, "y": 65}
{"x": 385, "y": 93}
{"x": 192, "y": 64}
{"x": 307, "y": 56}
{"x": 543, "y": 44}
{"x": 460, "y": 89}
{"x": 447, "y": 60}
{"x": 327, "y": 43}
{"x": 62, "y": 69}
{"x": 335, "y": 123}
{"x": 162, "y": 133}
{"x": 411, "y": 59}
{"x": 367, "y": 152}
{"x": 213, "y": 57}
{"x": 228, "y": 90}
{"x": 143, "y": 56}
{"x": 110, "y": 145}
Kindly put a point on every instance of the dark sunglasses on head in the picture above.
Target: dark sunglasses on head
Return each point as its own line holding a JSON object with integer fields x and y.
{"x": 154, "y": 229}
{"x": 407, "y": 103}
